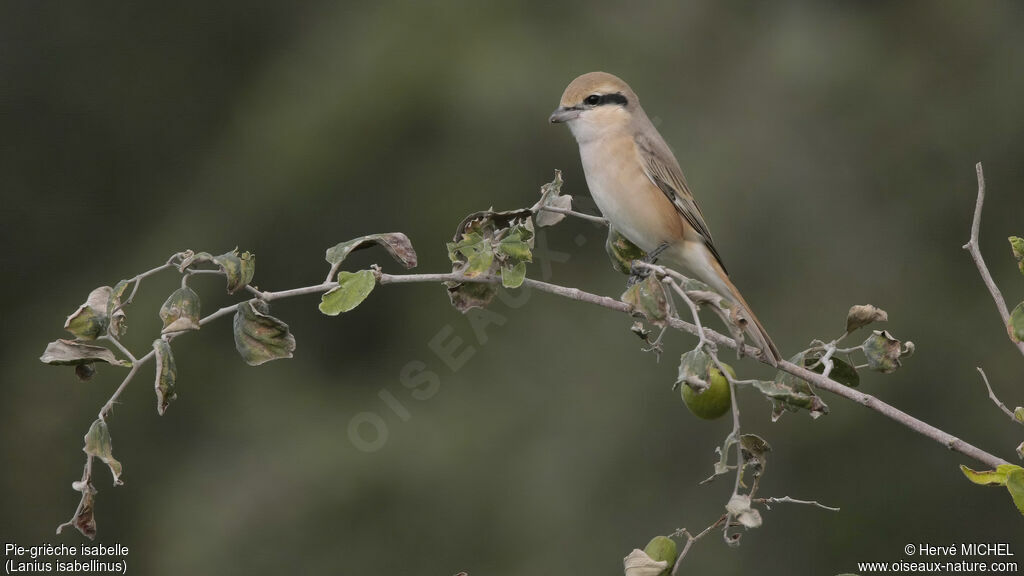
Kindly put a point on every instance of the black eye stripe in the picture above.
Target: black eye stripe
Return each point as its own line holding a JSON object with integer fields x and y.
{"x": 603, "y": 99}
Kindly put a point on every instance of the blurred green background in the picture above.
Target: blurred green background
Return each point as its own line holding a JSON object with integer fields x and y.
{"x": 832, "y": 148}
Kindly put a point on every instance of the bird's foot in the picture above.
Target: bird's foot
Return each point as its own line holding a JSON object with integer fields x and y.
{"x": 638, "y": 273}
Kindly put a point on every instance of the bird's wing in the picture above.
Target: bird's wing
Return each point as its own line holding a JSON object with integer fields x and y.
{"x": 662, "y": 169}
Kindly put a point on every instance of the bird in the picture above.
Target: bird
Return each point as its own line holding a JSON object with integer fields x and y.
{"x": 640, "y": 189}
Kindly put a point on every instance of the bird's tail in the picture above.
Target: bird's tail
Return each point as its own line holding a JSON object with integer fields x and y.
{"x": 753, "y": 327}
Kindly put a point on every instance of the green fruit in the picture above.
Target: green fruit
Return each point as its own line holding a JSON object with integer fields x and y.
{"x": 713, "y": 402}
{"x": 662, "y": 548}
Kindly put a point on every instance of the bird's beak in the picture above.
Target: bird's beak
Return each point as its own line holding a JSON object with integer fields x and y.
{"x": 563, "y": 114}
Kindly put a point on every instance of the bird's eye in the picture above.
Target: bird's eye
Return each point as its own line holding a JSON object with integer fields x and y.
{"x": 592, "y": 100}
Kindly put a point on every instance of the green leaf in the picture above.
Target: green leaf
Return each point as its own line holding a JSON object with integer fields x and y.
{"x": 1015, "y": 484}
{"x": 551, "y": 195}
{"x": 842, "y": 371}
{"x": 115, "y": 316}
{"x": 98, "y": 444}
{"x": 513, "y": 277}
{"x": 864, "y": 314}
{"x": 166, "y": 375}
{"x": 72, "y": 353}
{"x": 995, "y": 477}
{"x": 90, "y": 321}
{"x": 260, "y": 337}
{"x": 621, "y": 251}
{"x": 883, "y": 351}
{"x": 479, "y": 264}
{"x": 1017, "y": 246}
{"x": 238, "y": 268}
{"x": 1015, "y": 327}
{"x": 475, "y": 251}
{"x": 514, "y": 246}
{"x": 396, "y": 243}
{"x": 180, "y": 312}
{"x": 694, "y": 370}
{"x": 353, "y": 288}
{"x": 1018, "y": 414}
{"x": 648, "y": 297}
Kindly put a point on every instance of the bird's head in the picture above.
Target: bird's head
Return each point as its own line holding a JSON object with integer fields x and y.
{"x": 595, "y": 103}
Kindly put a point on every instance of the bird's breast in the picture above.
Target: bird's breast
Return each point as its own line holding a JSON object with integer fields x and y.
{"x": 633, "y": 205}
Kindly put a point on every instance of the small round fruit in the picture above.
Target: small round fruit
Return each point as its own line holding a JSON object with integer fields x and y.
{"x": 713, "y": 402}
{"x": 662, "y": 548}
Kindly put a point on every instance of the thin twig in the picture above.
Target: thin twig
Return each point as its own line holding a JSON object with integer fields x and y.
{"x": 573, "y": 213}
{"x": 996, "y": 400}
{"x": 690, "y": 539}
{"x": 787, "y": 499}
{"x": 124, "y": 384}
{"x": 979, "y": 260}
{"x": 120, "y": 347}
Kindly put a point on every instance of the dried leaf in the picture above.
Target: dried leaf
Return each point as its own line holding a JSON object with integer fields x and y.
{"x": 238, "y": 268}
{"x": 739, "y": 508}
{"x": 90, "y": 321}
{"x": 116, "y": 318}
{"x": 862, "y": 315}
{"x": 72, "y": 353}
{"x": 180, "y": 312}
{"x": 260, "y": 338}
{"x": 883, "y": 352}
{"x": 83, "y": 519}
{"x": 755, "y": 452}
{"x": 166, "y": 375}
{"x": 551, "y": 195}
{"x": 638, "y": 563}
{"x": 694, "y": 370}
{"x": 648, "y": 297}
{"x": 790, "y": 393}
{"x": 353, "y": 288}
{"x": 397, "y": 244}
{"x": 98, "y": 444}
{"x": 191, "y": 258}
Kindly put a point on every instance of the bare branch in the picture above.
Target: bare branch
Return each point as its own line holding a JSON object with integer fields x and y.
{"x": 996, "y": 400}
{"x": 573, "y": 213}
{"x": 786, "y": 499}
{"x": 979, "y": 260}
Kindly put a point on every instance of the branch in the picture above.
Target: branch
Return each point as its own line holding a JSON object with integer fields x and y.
{"x": 997, "y": 401}
{"x": 979, "y": 260}
{"x": 949, "y": 441}
{"x": 787, "y": 499}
